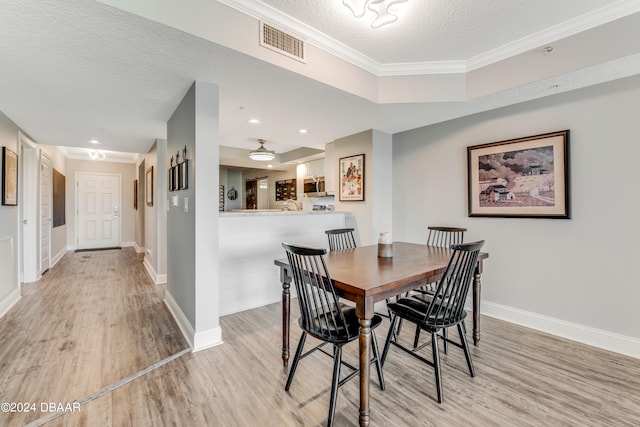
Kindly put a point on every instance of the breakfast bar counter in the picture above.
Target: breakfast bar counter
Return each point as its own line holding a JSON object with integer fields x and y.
{"x": 250, "y": 241}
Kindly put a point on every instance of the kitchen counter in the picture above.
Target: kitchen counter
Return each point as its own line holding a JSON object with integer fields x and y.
{"x": 249, "y": 241}
{"x": 266, "y": 212}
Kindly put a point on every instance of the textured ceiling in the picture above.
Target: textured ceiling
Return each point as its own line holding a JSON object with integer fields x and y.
{"x": 437, "y": 30}
{"x": 77, "y": 70}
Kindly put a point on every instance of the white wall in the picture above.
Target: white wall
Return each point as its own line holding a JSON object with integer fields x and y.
{"x": 373, "y": 215}
{"x": 151, "y": 226}
{"x": 9, "y": 231}
{"x": 127, "y": 172}
{"x": 577, "y": 278}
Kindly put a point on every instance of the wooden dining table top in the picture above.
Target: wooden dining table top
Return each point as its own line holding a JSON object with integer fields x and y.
{"x": 359, "y": 272}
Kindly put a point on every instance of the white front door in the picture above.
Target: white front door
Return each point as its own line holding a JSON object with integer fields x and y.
{"x": 98, "y": 210}
{"x": 45, "y": 213}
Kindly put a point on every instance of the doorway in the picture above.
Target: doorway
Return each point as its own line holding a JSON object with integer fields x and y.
{"x": 98, "y": 211}
{"x": 45, "y": 212}
{"x": 257, "y": 193}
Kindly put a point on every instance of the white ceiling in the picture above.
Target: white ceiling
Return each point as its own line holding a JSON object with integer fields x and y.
{"x": 78, "y": 70}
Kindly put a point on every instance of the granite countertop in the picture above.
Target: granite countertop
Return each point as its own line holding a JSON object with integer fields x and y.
{"x": 267, "y": 212}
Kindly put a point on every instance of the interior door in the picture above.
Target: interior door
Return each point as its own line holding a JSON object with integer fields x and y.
{"x": 45, "y": 213}
{"x": 98, "y": 211}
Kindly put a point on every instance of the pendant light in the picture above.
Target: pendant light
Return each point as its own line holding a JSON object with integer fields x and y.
{"x": 262, "y": 154}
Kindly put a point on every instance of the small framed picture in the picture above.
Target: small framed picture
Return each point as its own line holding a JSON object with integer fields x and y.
{"x": 9, "y": 177}
{"x": 524, "y": 177}
{"x": 351, "y": 178}
{"x": 135, "y": 194}
{"x": 148, "y": 186}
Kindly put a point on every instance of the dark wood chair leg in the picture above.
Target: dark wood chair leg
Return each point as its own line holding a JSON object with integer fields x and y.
{"x": 465, "y": 347}
{"x": 296, "y": 359}
{"x": 337, "y": 357}
{"x": 390, "y": 336}
{"x": 376, "y": 355}
{"x": 436, "y": 364}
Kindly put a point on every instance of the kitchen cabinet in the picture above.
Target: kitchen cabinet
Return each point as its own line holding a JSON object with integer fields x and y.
{"x": 314, "y": 168}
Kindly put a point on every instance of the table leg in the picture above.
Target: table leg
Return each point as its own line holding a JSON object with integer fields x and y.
{"x": 477, "y": 276}
{"x": 286, "y": 316}
{"x": 365, "y": 356}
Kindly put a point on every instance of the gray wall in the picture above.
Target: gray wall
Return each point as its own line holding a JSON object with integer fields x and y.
{"x": 192, "y": 237}
{"x": 574, "y": 277}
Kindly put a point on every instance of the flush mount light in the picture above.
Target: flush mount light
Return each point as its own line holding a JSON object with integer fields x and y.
{"x": 254, "y": 121}
{"x": 94, "y": 141}
{"x": 97, "y": 155}
{"x": 262, "y": 154}
{"x": 379, "y": 7}
{"x": 302, "y": 131}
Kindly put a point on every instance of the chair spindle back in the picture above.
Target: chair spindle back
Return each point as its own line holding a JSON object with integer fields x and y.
{"x": 447, "y": 306}
{"x": 341, "y": 239}
{"x": 445, "y": 236}
{"x": 320, "y": 312}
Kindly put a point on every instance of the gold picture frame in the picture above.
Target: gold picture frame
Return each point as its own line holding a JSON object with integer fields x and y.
{"x": 148, "y": 187}
{"x": 9, "y": 177}
{"x": 524, "y": 177}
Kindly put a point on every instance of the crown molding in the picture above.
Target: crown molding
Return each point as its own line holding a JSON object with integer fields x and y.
{"x": 264, "y": 12}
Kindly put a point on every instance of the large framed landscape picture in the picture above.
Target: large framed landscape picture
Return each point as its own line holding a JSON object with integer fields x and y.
{"x": 525, "y": 177}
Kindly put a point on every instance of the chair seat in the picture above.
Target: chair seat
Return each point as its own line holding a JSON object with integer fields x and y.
{"x": 414, "y": 309}
{"x": 338, "y": 335}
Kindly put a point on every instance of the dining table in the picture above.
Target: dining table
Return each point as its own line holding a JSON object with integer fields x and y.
{"x": 361, "y": 276}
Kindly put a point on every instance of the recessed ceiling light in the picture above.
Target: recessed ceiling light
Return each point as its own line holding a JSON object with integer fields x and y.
{"x": 94, "y": 141}
{"x": 302, "y": 131}
{"x": 269, "y": 166}
{"x": 254, "y": 121}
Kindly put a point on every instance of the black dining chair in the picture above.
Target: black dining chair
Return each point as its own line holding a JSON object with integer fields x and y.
{"x": 442, "y": 237}
{"x": 323, "y": 317}
{"x": 443, "y": 310}
{"x": 341, "y": 239}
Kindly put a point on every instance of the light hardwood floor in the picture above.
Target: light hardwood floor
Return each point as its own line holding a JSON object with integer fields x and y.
{"x": 96, "y": 319}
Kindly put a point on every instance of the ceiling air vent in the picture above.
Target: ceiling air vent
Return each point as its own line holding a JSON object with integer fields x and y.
{"x": 286, "y": 44}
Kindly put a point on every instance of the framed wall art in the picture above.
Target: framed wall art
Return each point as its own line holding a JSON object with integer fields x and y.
{"x": 9, "y": 177}
{"x": 135, "y": 194}
{"x": 148, "y": 186}
{"x": 351, "y": 178}
{"x": 524, "y": 177}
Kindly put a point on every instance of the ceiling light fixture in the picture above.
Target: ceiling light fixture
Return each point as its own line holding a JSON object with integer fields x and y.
{"x": 379, "y": 7}
{"x": 262, "y": 154}
{"x": 254, "y": 121}
{"x": 97, "y": 155}
{"x": 94, "y": 141}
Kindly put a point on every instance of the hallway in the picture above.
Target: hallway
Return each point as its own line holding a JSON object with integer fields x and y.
{"x": 91, "y": 321}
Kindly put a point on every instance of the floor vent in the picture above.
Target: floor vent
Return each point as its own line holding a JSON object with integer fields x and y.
{"x": 281, "y": 42}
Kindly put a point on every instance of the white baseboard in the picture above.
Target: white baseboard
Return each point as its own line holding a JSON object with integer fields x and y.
{"x": 58, "y": 257}
{"x": 180, "y": 318}
{"x": 197, "y": 341}
{"x": 591, "y": 336}
{"x": 207, "y": 339}
{"x": 127, "y": 244}
{"x": 71, "y": 248}
{"x": 9, "y": 301}
{"x": 157, "y": 278}
{"x": 139, "y": 249}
